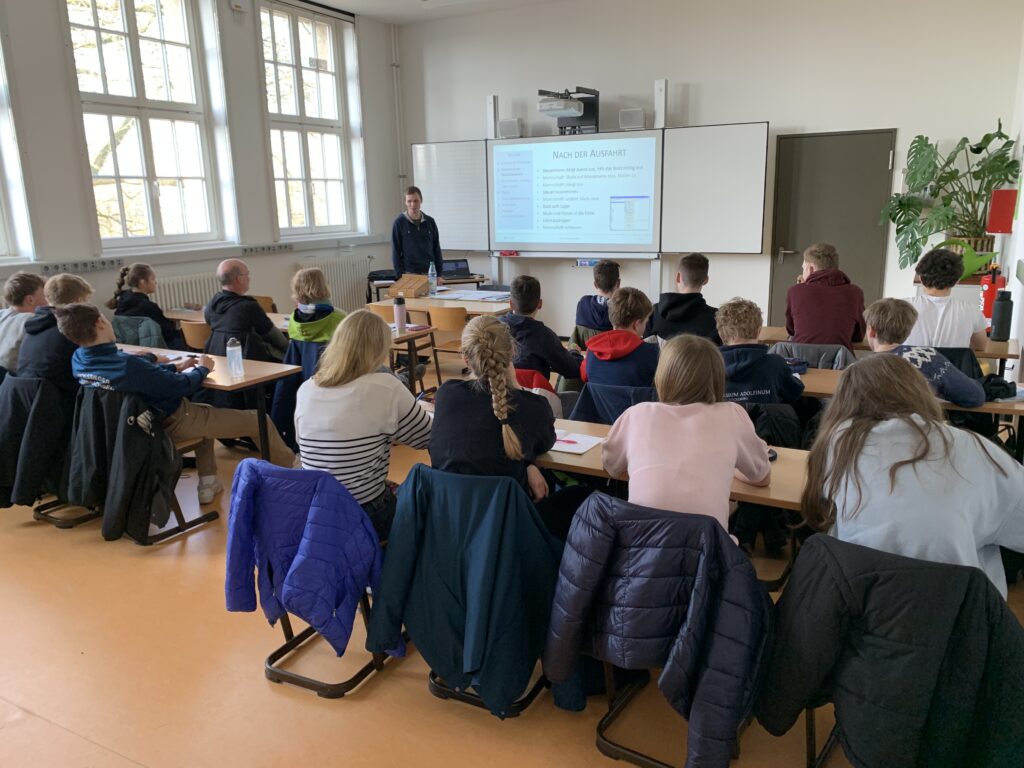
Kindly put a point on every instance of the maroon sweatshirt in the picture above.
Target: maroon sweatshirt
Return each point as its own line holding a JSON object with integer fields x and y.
{"x": 825, "y": 309}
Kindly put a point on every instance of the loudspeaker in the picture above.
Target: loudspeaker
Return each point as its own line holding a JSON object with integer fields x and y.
{"x": 632, "y": 119}
{"x": 660, "y": 101}
{"x": 510, "y": 128}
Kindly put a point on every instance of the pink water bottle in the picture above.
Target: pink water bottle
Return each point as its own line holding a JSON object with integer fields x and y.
{"x": 400, "y": 314}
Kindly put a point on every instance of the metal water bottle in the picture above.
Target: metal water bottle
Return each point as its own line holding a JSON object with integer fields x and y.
{"x": 1002, "y": 314}
{"x": 236, "y": 368}
{"x": 400, "y": 313}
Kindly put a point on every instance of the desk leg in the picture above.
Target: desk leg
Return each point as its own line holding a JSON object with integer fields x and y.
{"x": 1002, "y": 366}
{"x": 412, "y": 365}
{"x": 261, "y": 415}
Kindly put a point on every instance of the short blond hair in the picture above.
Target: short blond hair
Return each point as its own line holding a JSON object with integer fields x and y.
{"x": 690, "y": 370}
{"x": 739, "y": 319}
{"x": 20, "y": 286}
{"x": 627, "y": 305}
{"x": 359, "y": 346}
{"x": 309, "y": 286}
{"x": 822, "y": 256}
{"x": 892, "y": 319}
{"x": 66, "y": 288}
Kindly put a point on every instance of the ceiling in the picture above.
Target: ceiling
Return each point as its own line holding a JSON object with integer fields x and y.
{"x": 414, "y": 11}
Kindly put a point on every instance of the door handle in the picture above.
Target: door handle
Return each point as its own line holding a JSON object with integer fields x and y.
{"x": 783, "y": 253}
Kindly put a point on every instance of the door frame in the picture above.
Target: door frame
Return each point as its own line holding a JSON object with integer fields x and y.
{"x": 773, "y": 247}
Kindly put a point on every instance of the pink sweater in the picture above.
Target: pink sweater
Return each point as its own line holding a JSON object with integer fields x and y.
{"x": 683, "y": 457}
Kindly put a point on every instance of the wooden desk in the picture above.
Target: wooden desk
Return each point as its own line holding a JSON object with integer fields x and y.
{"x": 475, "y": 280}
{"x": 257, "y": 374}
{"x": 279, "y": 319}
{"x": 473, "y": 308}
{"x": 788, "y": 471}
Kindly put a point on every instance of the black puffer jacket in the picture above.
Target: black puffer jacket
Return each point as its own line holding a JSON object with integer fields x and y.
{"x": 924, "y": 661}
{"x": 34, "y": 431}
{"x": 645, "y": 588}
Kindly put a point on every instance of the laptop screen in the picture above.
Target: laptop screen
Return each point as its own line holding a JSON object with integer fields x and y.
{"x": 455, "y": 267}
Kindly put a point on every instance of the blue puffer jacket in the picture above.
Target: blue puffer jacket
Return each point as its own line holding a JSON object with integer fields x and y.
{"x": 644, "y": 588}
{"x": 314, "y": 547}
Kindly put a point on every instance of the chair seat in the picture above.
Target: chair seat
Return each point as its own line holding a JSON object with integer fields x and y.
{"x": 455, "y": 345}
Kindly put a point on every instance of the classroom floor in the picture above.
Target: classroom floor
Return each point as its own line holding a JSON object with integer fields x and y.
{"x": 119, "y": 655}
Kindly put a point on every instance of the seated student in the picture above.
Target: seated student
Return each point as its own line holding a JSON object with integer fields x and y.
{"x": 23, "y": 293}
{"x": 824, "y": 307}
{"x": 886, "y": 472}
{"x": 314, "y": 318}
{"x": 752, "y": 374}
{"x": 592, "y": 311}
{"x": 537, "y": 347}
{"x": 352, "y": 411}
{"x": 620, "y": 356}
{"x": 166, "y": 387}
{"x": 686, "y": 311}
{"x": 45, "y": 352}
{"x": 134, "y": 301}
{"x": 889, "y": 322}
{"x": 943, "y": 321}
{"x": 230, "y": 313}
{"x": 683, "y": 452}
{"x": 489, "y": 426}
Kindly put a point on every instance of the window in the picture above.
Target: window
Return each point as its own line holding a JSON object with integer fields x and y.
{"x": 143, "y": 112}
{"x": 304, "y": 72}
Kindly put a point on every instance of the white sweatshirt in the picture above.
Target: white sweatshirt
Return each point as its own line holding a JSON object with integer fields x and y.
{"x": 12, "y": 331}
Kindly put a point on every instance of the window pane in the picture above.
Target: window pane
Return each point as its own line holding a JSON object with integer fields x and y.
{"x": 162, "y": 135}
{"x": 338, "y": 216}
{"x": 98, "y": 144}
{"x": 153, "y": 69}
{"x": 316, "y": 155}
{"x": 80, "y": 12}
{"x": 197, "y": 219}
{"x": 108, "y": 13}
{"x": 292, "y": 155}
{"x": 146, "y": 18}
{"x": 190, "y": 155}
{"x": 297, "y": 203}
{"x": 108, "y": 211}
{"x": 129, "y": 146}
{"x": 277, "y": 154}
{"x": 271, "y": 78}
{"x": 173, "y": 14}
{"x": 332, "y": 156}
{"x": 170, "y": 207}
{"x": 87, "y": 60}
{"x": 267, "y": 35}
{"x": 324, "y": 48}
{"x": 319, "y": 203}
{"x": 310, "y": 98}
{"x": 179, "y": 67}
{"x": 136, "y": 210}
{"x": 115, "y": 65}
{"x": 283, "y": 38}
{"x": 280, "y": 192}
{"x": 286, "y": 84}
{"x": 328, "y": 97}
{"x": 307, "y": 49}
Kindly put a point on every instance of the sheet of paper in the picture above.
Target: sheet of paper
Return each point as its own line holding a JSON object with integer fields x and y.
{"x": 572, "y": 442}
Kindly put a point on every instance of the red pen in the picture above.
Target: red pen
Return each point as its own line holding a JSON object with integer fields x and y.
{"x": 563, "y": 440}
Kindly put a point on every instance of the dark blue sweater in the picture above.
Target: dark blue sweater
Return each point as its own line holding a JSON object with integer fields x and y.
{"x": 592, "y": 312}
{"x": 414, "y": 244}
{"x": 104, "y": 366}
{"x": 620, "y": 358}
{"x": 753, "y": 375}
{"x": 946, "y": 380}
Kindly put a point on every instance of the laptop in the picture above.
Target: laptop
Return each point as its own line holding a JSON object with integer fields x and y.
{"x": 455, "y": 268}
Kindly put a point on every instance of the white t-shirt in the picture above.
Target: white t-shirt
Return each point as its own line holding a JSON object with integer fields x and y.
{"x": 12, "y": 331}
{"x": 943, "y": 321}
{"x": 957, "y": 511}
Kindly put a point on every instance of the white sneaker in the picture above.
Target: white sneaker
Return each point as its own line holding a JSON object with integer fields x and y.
{"x": 208, "y": 489}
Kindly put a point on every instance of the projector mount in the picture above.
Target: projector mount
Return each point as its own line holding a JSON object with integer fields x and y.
{"x": 575, "y": 110}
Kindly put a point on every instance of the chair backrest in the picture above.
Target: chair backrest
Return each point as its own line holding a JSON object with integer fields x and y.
{"x": 829, "y": 356}
{"x": 964, "y": 359}
{"x": 385, "y": 311}
{"x": 581, "y": 335}
{"x": 266, "y": 303}
{"x": 495, "y": 287}
{"x": 531, "y": 379}
{"x": 138, "y": 330}
{"x": 604, "y": 403}
{"x": 448, "y": 318}
{"x": 196, "y": 334}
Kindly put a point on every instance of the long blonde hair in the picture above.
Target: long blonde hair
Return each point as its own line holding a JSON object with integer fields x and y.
{"x": 872, "y": 390}
{"x": 488, "y": 348}
{"x": 359, "y": 346}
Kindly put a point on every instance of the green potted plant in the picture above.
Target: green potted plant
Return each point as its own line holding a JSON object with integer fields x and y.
{"x": 950, "y": 193}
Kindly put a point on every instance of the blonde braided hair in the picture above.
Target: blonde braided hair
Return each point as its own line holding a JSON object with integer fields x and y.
{"x": 488, "y": 348}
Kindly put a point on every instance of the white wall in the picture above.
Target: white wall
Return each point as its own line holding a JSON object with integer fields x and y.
{"x": 803, "y": 65}
{"x": 1013, "y": 245}
{"x": 48, "y": 123}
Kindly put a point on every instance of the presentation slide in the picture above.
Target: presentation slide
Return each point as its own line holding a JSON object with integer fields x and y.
{"x": 577, "y": 193}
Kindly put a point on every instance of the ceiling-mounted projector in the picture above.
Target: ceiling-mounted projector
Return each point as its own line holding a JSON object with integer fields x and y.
{"x": 557, "y": 107}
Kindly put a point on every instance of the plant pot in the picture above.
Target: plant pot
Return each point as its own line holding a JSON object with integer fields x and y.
{"x": 979, "y": 244}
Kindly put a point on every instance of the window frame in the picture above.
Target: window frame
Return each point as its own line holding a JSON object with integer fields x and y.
{"x": 304, "y": 124}
{"x": 144, "y": 109}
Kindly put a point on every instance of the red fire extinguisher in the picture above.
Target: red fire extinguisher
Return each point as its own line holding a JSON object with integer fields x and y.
{"x": 991, "y": 284}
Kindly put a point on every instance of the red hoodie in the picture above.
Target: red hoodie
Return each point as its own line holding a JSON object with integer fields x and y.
{"x": 620, "y": 358}
{"x": 825, "y": 309}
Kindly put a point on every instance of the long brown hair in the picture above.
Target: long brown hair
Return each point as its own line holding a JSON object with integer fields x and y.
{"x": 488, "y": 348}
{"x": 876, "y": 389}
{"x": 690, "y": 370}
{"x": 131, "y": 276}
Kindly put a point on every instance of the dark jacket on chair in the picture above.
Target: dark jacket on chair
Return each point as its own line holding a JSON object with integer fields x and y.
{"x": 644, "y": 588}
{"x": 282, "y": 412}
{"x": 34, "y": 432}
{"x": 923, "y": 660}
{"x": 313, "y": 547}
{"x": 470, "y": 571}
{"x": 122, "y": 459}
{"x": 677, "y": 313}
{"x": 604, "y": 403}
{"x": 45, "y": 353}
{"x": 135, "y": 304}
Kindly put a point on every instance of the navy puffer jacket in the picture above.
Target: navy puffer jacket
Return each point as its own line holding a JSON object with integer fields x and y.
{"x": 644, "y": 588}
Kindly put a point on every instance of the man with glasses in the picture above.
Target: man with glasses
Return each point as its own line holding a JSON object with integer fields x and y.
{"x": 232, "y": 314}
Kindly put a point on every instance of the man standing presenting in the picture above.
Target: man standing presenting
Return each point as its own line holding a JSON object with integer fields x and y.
{"x": 415, "y": 242}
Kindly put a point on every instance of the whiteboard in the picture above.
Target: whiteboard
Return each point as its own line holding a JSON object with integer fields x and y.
{"x": 714, "y": 188}
{"x": 453, "y": 178}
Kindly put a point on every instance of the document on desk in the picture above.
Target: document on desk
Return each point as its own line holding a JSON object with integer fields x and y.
{"x": 573, "y": 442}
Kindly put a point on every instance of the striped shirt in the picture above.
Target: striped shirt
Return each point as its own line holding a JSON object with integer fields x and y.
{"x": 349, "y": 430}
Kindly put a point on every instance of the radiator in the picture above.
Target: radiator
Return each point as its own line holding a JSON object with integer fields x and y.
{"x": 346, "y": 277}
{"x": 176, "y": 292}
